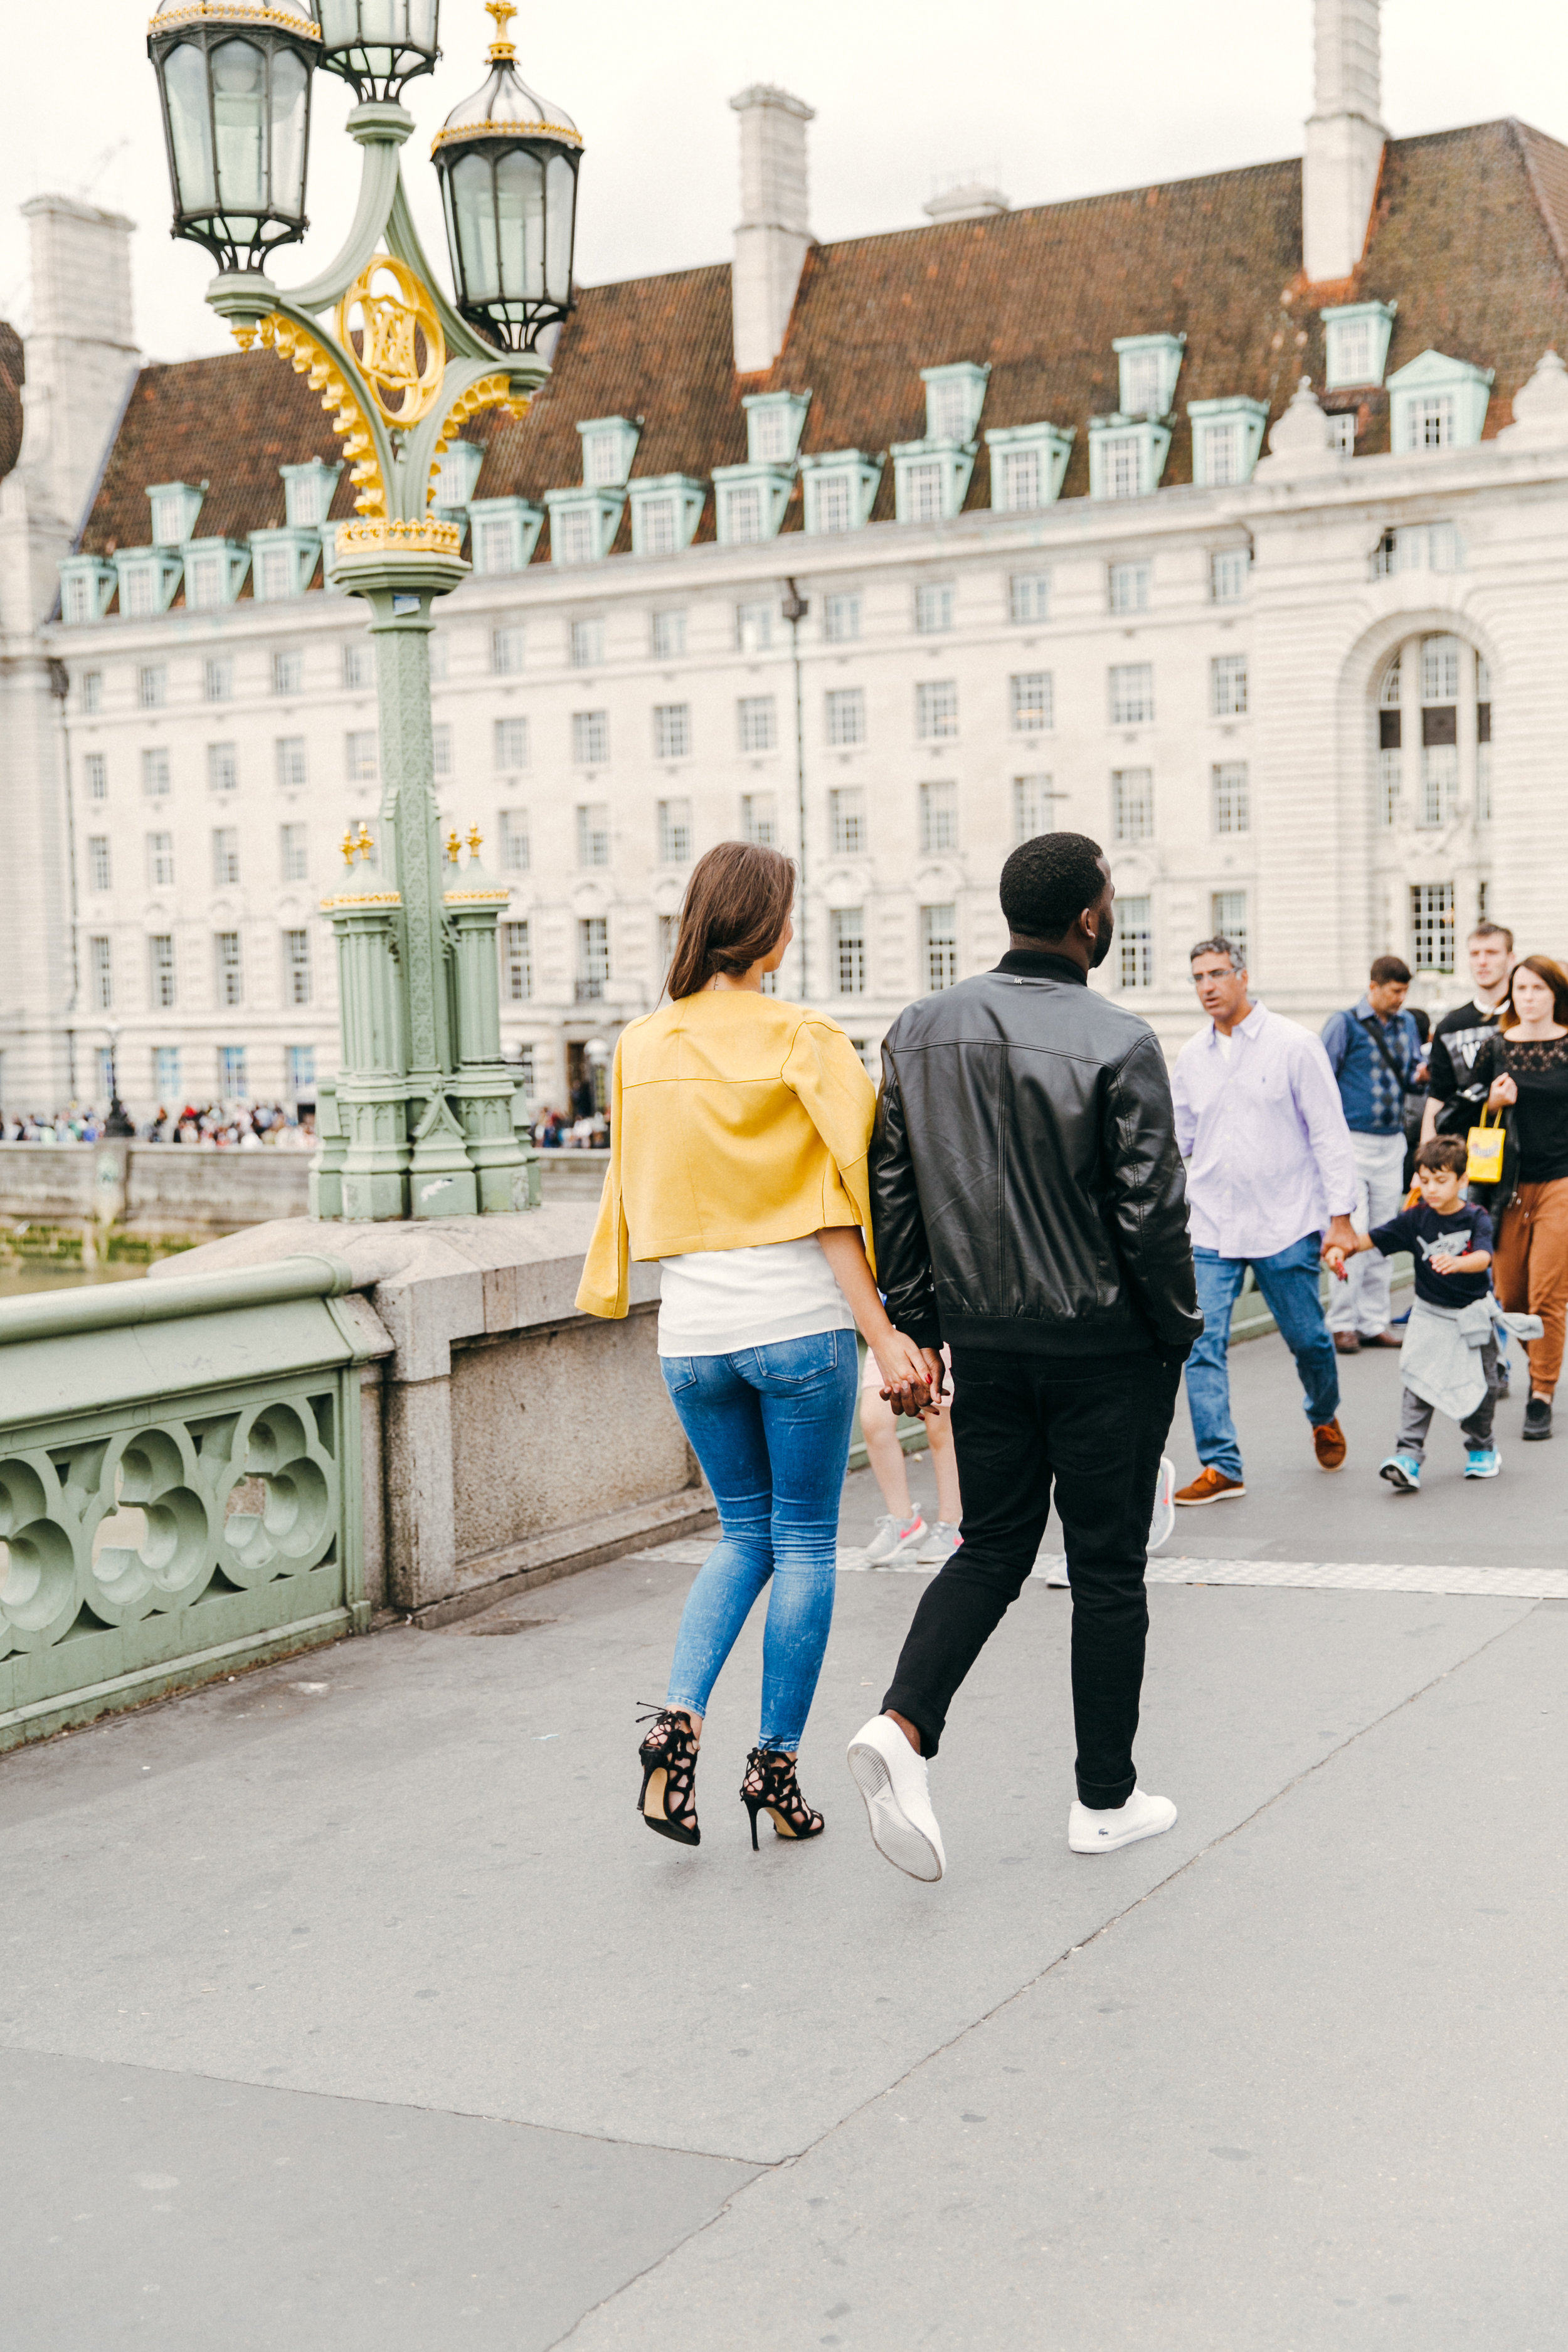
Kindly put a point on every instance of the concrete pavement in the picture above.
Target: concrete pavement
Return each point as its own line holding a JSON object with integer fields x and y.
{"x": 347, "y": 2005}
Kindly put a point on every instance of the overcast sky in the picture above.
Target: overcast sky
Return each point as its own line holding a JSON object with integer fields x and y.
{"x": 1045, "y": 97}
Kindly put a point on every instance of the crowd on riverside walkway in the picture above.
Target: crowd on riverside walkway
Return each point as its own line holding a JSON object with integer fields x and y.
{"x": 1039, "y": 1231}
{"x": 246, "y": 1125}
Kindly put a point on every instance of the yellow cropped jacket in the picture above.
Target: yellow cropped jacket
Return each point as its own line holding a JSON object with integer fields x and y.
{"x": 736, "y": 1119}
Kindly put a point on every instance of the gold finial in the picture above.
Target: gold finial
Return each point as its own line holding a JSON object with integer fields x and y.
{"x": 476, "y": 841}
{"x": 347, "y": 845}
{"x": 503, "y": 11}
{"x": 453, "y": 846}
{"x": 365, "y": 844}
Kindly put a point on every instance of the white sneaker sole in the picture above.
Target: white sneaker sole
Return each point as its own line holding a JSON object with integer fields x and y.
{"x": 1119, "y": 1838}
{"x": 893, "y": 1835}
{"x": 1202, "y": 1502}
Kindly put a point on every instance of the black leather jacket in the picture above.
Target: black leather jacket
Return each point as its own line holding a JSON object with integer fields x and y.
{"x": 1026, "y": 1191}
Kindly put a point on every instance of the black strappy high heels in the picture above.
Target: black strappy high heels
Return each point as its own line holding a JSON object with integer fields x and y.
{"x": 668, "y": 1800}
{"x": 770, "y": 1787}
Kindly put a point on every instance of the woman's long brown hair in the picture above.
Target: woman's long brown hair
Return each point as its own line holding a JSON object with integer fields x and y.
{"x": 735, "y": 908}
{"x": 1556, "y": 980}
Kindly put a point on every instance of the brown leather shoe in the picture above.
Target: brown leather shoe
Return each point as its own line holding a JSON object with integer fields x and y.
{"x": 1328, "y": 1444}
{"x": 1346, "y": 1343}
{"x": 1212, "y": 1486}
{"x": 1383, "y": 1339}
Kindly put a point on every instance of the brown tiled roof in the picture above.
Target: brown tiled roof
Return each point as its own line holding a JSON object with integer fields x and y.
{"x": 1470, "y": 236}
{"x": 13, "y": 369}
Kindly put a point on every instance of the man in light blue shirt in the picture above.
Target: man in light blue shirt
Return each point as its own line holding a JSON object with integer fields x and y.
{"x": 1271, "y": 1180}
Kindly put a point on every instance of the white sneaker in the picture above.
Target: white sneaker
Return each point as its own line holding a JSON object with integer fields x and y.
{"x": 892, "y": 1780}
{"x": 893, "y": 1542}
{"x": 1141, "y": 1816}
{"x": 940, "y": 1543}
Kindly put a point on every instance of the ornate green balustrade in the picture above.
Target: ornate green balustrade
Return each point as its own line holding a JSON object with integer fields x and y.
{"x": 180, "y": 1485}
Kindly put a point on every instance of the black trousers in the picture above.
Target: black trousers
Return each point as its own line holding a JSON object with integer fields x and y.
{"x": 1092, "y": 1428}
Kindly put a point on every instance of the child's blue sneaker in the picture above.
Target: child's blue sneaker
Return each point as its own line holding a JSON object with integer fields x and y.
{"x": 1403, "y": 1471}
{"x": 1486, "y": 1462}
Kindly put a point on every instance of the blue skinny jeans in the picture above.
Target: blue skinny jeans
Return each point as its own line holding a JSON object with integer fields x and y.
{"x": 771, "y": 1428}
{"x": 1289, "y": 1281}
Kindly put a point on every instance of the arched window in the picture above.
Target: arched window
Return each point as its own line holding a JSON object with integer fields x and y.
{"x": 1432, "y": 792}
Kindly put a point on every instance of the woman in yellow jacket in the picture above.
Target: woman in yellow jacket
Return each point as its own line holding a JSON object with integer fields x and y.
{"x": 740, "y": 1125}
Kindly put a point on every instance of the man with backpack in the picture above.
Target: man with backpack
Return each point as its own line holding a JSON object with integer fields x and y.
{"x": 1374, "y": 1051}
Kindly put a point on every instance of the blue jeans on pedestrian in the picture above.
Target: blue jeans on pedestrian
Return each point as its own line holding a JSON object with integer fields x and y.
{"x": 1288, "y": 1281}
{"x": 771, "y": 1428}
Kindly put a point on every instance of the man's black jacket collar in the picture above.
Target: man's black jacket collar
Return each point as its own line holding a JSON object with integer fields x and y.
{"x": 1039, "y": 964}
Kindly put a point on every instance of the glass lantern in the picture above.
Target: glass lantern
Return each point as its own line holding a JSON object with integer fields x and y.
{"x": 234, "y": 83}
{"x": 378, "y": 44}
{"x": 508, "y": 165}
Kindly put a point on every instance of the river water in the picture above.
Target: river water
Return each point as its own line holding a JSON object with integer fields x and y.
{"x": 18, "y": 1281}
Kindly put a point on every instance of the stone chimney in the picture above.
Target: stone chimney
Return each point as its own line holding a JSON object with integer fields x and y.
{"x": 81, "y": 353}
{"x": 1345, "y": 138}
{"x": 772, "y": 238}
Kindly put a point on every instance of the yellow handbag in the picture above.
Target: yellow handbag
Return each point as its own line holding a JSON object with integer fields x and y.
{"x": 1484, "y": 1165}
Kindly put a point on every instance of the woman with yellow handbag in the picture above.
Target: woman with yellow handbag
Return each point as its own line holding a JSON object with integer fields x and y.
{"x": 1525, "y": 1070}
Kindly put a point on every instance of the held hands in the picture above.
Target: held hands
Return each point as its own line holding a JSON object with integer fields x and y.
{"x": 1503, "y": 1093}
{"x": 914, "y": 1376}
{"x": 1342, "y": 1241}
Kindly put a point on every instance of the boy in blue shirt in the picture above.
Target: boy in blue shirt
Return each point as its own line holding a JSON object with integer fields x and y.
{"x": 1450, "y": 1359}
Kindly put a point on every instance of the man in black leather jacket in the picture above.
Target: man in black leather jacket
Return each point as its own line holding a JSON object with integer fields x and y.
{"x": 1029, "y": 1206}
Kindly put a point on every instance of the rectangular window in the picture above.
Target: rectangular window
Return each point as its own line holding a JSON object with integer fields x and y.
{"x": 1228, "y": 570}
{"x": 674, "y": 833}
{"x": 1440, "y": 800}
{"x": 1430, "y": 425}
{"x": 846, "y": 710}
{"x": 1222, "y": 454}
{"x": 98, "y": 867}
{"x": 495, "y": 547}
{"x": 225, "y": 857}
{"x": 166, "y": 1073}
{"x": 161, "y": 971}
{"x": 516, "y": 963}
{"x": 300, "y": 1061}
{"x": 76, "y": 600}
{"x": 361, "y": 763}
{"x": 934, "y": 607}
{"x": 672, "y": 731}
{"x": 840, "y": 619}
{"x": 759, "y": 819}
{"x": 1341, "y": 433}
{"x": 293, "y": 852}
{"x": 1128, "y": 585}
{"x": 938, "y": 818}
{"x": 936, "y": 708}
{"x": 155, "y": 773}
{"x": 359, "y": 667}
{"x": 95, "y": 775}
{"x": 939, "y": 946}
{"x": 231, "y": 1078}
{"x": 743, "y": 514}
{"x": 293, "y": 769}
{"x": 506, "y": 651}
{"x": 1232, "y": 803}
{"x": 101, "y": 963}
{"x": 510, "y": 741}
{"x": 576, "y": 531}
{"x": 161, "y": 861}
{"x": 833, "y": 508}
{"x": 90, "y": 687}
{"x": 1228, "y": 919}
{"x": 139, "y": 592}
{"x": 228, "y": 967}
{"x": 1121, "y": 460}
{"x": 275, "y": 579}
{"x": 1131, "y": 694}
{"x": 1432, "y": 925}
{"x": 152, "y": 685}
{"x": 1021, "y": 482}
{"x": 223, "y": 768}
{"x": 297, "y": 967}
{"x": 1390, "y": 779}
{"x": 754, "y": 627}
{"x": 590, "y": 737}
{"x": 655, "y": 526}
{"x": 667, "y": 636}
{"x": 849, "y": 950}
{"x": 593, "y": 833}
{"x": 1034, "y": 802}
{"x": 218, "y": 679}
{"x": 593, "y": 958}
{"x": 922, "y": 493}
{"x": 441, "y": 748}
{"x": 1030, "y": 702}
{"x": 514, "y": 840}
{"x": 289, "y": 671}
{"x": 1228, "y": 686}
{"x": 1133, "y": 803}
{"x": 586, "y": 644}
{"x": 847, "y": 820}
{"x": 1143, "y": 382}
{"x": 757, "y": 719}
{"x": 1440, "y": 669}
{"x": 1135, "y": 937}
{"x": 1029, "y": 596}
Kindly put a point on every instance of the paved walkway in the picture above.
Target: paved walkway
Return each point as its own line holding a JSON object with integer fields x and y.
{"x": 345, "y": 2006}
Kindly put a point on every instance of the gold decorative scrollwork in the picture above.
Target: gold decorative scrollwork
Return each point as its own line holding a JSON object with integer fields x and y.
{"x": 491, "y": 391}
{"x": 308, "y": 357}
{"x": 388, "y": 320}
{"x": 377, "y": 536}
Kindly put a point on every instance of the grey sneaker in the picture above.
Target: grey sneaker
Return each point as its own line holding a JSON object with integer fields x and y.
{"x": 892, "y": 1542}
{"x": 939, "y": 1543}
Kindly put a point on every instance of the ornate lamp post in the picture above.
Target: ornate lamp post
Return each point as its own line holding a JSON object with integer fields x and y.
{"x": 422, "y": 1121}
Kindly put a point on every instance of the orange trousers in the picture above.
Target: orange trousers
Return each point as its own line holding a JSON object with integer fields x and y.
{"x": 1531, "y": 1272}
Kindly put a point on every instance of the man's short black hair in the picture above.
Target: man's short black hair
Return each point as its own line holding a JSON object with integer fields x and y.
{"x": 1388, "y": 968}
{"x": 1444, "y": 1152}
{"x": 1047, "y": 883}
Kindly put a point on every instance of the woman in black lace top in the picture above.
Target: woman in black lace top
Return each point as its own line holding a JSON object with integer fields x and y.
{"x": 1526, "y": 1067}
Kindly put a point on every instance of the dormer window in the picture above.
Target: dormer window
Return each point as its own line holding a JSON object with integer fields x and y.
{"x": 931, "y": 485}
{"x": 282, "y": 564}
{"x": 503, "y": 533}
{"x": 1028, "y": 462}
{"x": 666, "y": 511}
{"x": 749, "y": 501}
{"x": 456, "y": 478}
{"x": 1126, "y": 457}
{"x": 148, "y": 577}
{"x": 1437, "y": 402}
{"x": 774, "y": 422}
{"x": 840, "y": 489}
{"x": 307, "y": 493}
{"x": 175, "y": 506}
{"x": 610, "y": 445}
{"x": 1227, "y": 437}
{"x": 215, "y": 574}
{"x": 583, "y": 523}
{"x": 87, "y": 585}
{"x": 1149, "y": 366}
{"x": 954, "y": 397}
{"x": 1355, "y": 340}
